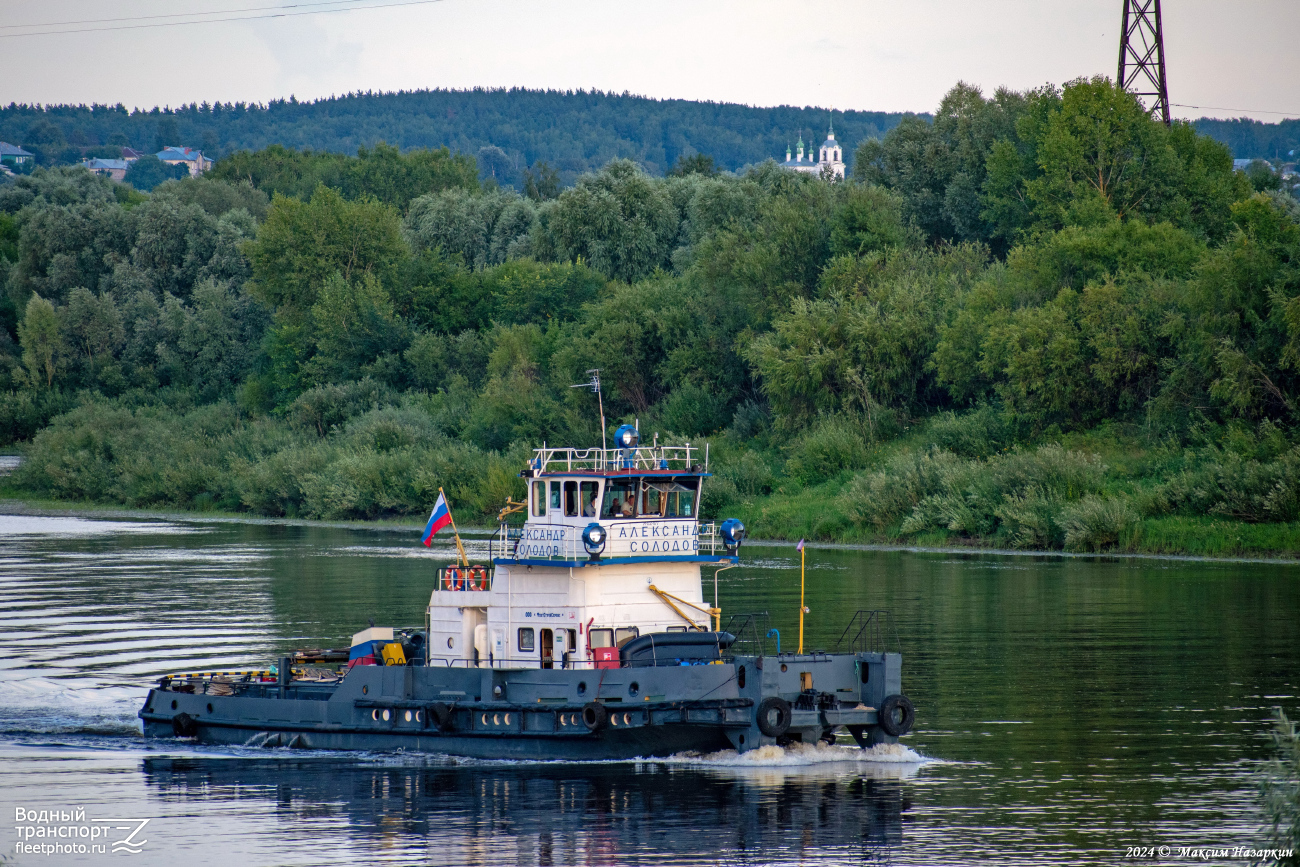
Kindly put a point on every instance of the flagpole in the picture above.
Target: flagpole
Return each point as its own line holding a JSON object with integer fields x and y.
{"x": 801, "y": 607}
{"x": 464, "y": 560}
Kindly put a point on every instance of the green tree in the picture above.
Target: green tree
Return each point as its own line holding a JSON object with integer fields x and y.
{"x": 619, "y": 220}
{"x": 302, "y": 244}
{"x": 148, "y": 172}
{"x": 41, "y": 341}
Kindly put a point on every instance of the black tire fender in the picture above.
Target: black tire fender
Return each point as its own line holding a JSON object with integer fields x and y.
{"x": 897, "y": 715}
{"x": 184, "y": 725}
{"x": 440, "y": 716}
{"x": 594, "y": 716}
{"x": 773, "y": 716}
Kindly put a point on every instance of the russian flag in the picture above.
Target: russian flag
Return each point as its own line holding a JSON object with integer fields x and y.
{"x": 440, "y": 518}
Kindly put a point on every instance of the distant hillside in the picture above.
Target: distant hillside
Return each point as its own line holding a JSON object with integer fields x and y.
{"x": 1249, "y": 139}
{"x": 574, "y": 131}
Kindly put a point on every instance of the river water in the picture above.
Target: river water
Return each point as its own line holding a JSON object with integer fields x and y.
{"x": 1067, "y": 709}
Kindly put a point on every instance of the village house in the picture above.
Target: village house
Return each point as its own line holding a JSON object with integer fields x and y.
{"x": 115, "y": 169}
{"x": 176, "y": 155}
{"x": 13, "y": 155}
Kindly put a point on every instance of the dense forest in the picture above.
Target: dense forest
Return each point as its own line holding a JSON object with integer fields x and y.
{"x": 1042, "y": 320}
{"x": 507, "y": 131}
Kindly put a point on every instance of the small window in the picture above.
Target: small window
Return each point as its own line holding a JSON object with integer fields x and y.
{"x": 573, "y": 638}
{"x": 624, "y": 634}
{"x": 571, "y": 499}
{"x": 555, "y": 496}
{"x": 526, "y": 644}
{"x": 590, "y": 492}
{"x": 600, "y": 637}
{"x": 539, "y": 499}
{"x": 676, "y": 628}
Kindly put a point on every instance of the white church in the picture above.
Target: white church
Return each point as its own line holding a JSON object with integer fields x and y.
{"x": 831, "y": 157}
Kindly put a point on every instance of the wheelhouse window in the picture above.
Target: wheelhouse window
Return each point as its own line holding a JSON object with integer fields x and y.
{"x": 669, "y": 499}
{"x": 600, "y": 637}
{"x": 555, "y": 497}
{"x": 570, "y": 499}
{"x": 539, "y": 499}
{"x": 624, "y": 634}
{"x": 589, "y": 492}
{"x": 620, "y": 499}
{"x": 526, "y": 640}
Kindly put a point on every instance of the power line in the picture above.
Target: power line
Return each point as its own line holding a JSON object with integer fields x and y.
{"x": 1247, "y": 110}
{"x": 172, "y": 15}
{"x": 220, "y": 20}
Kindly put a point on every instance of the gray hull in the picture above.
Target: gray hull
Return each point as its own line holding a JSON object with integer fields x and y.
{"x": 538, "y": 714}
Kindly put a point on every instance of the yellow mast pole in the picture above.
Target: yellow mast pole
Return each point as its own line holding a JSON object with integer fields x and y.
{"x": 801, "y": 605}
{"x": 464, "y": 560}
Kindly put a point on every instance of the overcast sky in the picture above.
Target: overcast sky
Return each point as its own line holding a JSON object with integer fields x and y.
{"x": 1234, "y": 58}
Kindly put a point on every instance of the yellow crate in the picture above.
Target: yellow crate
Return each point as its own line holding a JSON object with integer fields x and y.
{"x": 393, "y": 654}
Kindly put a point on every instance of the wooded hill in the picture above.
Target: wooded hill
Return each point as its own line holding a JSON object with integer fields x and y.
{"x": 506, "y": 130}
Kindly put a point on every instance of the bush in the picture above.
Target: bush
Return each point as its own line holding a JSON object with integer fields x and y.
{"x": 747, "y": 474}
{"x": 833, "y": 445}
{"x": 977, "y": 434}
{"x": 326, "y": 407}
{"x": 1095, "y": 523}
{"x": 1018, "y": 496}
{"x": 1230, "y": 485}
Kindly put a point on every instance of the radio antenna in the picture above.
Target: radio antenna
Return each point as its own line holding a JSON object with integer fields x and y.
{"x": 594, "y": 385}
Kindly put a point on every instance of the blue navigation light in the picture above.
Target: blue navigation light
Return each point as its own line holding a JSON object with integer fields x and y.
{"x": 733, "y": 533}
{"x": 593, "y": 538}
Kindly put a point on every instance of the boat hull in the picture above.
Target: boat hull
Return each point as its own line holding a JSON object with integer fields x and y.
{"x": 536, "y": 714}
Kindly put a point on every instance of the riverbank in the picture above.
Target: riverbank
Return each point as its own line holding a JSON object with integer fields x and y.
{"x": 1207, "y": 540}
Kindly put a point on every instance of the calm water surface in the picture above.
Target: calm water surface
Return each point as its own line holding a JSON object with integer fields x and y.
{"x": 1066, "y": 709}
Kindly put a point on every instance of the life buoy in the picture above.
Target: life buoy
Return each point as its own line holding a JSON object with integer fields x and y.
{"x": 477, "y": 578}
{"x": 451, "y": 578}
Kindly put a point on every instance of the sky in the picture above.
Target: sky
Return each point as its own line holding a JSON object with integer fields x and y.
{"x": 1240, "y": 58}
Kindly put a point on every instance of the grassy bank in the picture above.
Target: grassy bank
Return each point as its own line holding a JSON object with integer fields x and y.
{"x": 951, "y": 481}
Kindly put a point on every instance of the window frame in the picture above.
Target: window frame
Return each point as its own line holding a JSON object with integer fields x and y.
{"x": 532, "y": 639}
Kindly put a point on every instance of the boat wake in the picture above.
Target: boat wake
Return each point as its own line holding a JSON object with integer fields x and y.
{"x": 40, "y": 705}
{"x": 802, "y": 755}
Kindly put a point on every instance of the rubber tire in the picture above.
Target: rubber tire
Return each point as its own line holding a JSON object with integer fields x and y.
{"x": 440, "y": 716}
{"x": 765, "y": 724}
{"x": 885, "y": 717}
{"x": 594, "y": 716}
{"x": 184, "y": 725}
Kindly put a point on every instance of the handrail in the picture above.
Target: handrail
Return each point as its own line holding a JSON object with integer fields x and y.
{"x": 873, "y": 631}
{"x": 653, "y": 457}
{"x": 505, "y": 544}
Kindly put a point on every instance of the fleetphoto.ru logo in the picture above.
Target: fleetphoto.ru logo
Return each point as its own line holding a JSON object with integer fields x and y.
{"x": 69, "y": 832}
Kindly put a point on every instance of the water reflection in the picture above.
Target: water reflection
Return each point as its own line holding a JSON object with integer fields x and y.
{"x": 442, "y": 813}
{"x": 1082, "y": 706}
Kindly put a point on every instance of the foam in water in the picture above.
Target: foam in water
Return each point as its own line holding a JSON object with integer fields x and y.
{"x": 801, "y": 755}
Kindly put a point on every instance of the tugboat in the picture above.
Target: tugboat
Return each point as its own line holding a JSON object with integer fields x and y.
{"x": 588, "y": 637}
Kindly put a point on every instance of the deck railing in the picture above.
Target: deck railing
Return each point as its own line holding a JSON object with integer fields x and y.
{"x": 505, "y": 545}
{"x": 653, "y": 457}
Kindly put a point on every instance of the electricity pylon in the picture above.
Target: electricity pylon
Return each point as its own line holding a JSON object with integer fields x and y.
{"x": 1142, "y": 55}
